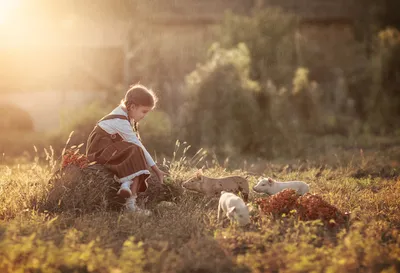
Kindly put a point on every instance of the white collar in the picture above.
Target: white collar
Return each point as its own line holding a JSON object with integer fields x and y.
{"x": 119, "y": 111}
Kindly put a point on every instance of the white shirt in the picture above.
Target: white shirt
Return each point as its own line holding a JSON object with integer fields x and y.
{"x": 125, "y": 130}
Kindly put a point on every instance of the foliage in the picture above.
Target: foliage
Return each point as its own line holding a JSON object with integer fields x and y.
{"x": 384, "y": 99}
{"x": 29, "y": 253}
{"x": 220, "y": 106}
{"x": 299, "y": 247}
{"x": 269, "y": 36}
{"x": 296, "y": 110}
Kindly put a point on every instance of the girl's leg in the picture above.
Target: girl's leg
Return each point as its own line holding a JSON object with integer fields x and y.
{"x": 124, "y": 190}
{"x": 131, "y": 201}
{"x": 129, "y": 189}
{"x": 135, "y": 186}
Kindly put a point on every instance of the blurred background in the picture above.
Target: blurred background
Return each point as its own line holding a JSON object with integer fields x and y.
{"x": 241, "y": 78}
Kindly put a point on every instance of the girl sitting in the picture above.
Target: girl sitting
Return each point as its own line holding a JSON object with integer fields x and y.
{"x": 115, "y": 143}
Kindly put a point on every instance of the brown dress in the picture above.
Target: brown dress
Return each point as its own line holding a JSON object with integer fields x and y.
{"x": 126, "y": 160}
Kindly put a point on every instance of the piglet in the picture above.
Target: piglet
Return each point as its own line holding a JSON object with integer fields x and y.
{"x": 234, "y": 208}
{"x": 212, "y": 187}
{"x": 271, "y": 186}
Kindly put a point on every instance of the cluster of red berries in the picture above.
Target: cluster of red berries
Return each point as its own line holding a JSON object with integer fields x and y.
{"x": 313, "y": 207}
{"x": 308, "y": 207}
{"x": 73, "y": 157}
{"x": 278, "y": 204}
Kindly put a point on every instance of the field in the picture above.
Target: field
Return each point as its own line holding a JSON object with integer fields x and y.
{"x": 185, "y": 236}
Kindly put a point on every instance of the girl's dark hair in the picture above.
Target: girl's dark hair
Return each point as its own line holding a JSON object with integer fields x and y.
{"x": 140, "y": 96}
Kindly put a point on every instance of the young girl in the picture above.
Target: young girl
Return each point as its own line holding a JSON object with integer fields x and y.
{"x": 115, "y": 143}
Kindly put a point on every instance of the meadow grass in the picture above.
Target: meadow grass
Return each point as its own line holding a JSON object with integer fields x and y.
{"x": 186, "y": 237}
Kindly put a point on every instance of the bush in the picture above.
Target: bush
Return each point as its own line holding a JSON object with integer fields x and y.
{"x": 383, "y": 106}
{"x": 220, "y": 108}
{"x": 269, "y": 36}
{"x": 296, "y": 109}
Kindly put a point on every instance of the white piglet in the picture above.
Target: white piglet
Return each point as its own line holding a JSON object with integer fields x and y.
{"x": 271, "y": 186}
{"x": 234, "y": 208}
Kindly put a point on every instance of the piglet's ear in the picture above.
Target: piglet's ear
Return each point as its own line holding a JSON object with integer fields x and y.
{"x": 270, "y": 180}
{"x": 199, "y": 174}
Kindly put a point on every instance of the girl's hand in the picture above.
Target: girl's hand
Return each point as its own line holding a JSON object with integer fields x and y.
{"x": 160, "y": 174}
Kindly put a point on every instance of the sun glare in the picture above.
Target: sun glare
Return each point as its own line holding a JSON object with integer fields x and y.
{"x": 6, "y": 9}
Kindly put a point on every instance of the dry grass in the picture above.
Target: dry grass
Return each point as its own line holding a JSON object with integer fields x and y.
{"x": 185, "y": 236}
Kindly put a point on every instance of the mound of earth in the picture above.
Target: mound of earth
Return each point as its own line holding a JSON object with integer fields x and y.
{"x": 94, "y": 188}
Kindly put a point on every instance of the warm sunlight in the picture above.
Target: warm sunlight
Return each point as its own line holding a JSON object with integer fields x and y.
{"x": 200, "y": 136}
{"x": 6, "y": 9}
